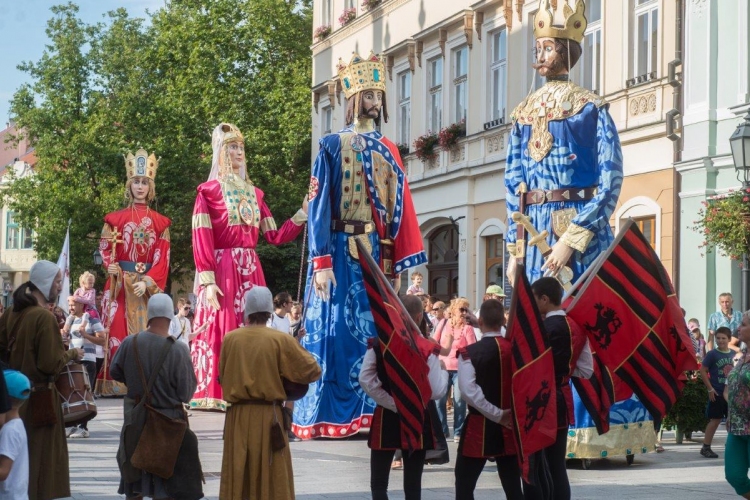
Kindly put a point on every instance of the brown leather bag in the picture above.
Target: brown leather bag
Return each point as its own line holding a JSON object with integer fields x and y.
{"x": 43, "y": 401}
{"x": 160, "y": 441}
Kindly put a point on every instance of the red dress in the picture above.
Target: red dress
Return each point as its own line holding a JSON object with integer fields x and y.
{"x": 228, "y": 218}
{"x": 142, "y": 252}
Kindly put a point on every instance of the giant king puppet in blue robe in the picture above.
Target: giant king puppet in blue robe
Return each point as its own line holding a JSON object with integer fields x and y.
{"x": 358, "y": 191}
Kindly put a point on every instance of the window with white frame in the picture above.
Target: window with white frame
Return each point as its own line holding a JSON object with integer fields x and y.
{"x": 326, "y": 118}
{"x": 326, "y": 14}
{"x": 590, "y": 65}
{"x": 435, "y": 94}
{"x": 404, "y": 107}
{"x": 498, "y": 73}
{"x": 350, "y": 4}
{"x": 17, "y": 237}
{"x": 460, "y": 83}
{"x": 646, "y": 37}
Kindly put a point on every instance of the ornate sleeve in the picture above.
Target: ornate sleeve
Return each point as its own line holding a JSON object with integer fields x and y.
{"x": 203, "y": 242}
{"x": 288, "y": 231}
{"x": 593, "y": 219}
{"x": 319, "y": 208}
{"x": 156, "y": 277}
{"x": 514, "y": 176}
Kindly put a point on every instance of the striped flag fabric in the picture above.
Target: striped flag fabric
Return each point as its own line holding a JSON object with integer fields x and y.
{"x": 402, "y": 347}
{"x": 533, "y": 398}
{"x": 597, "y": 394}
{"x": 629, "y": 310}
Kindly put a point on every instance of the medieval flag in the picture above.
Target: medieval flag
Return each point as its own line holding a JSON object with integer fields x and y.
{"x": 597, "y": 394}
{"x": 533, "y": 400}
{"x": 401, "y": 345}
{"x": 629, "y": 311}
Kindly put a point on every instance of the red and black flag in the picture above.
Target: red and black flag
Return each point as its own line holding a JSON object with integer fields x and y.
{"x": 628, "y": 309}
{"x": 402, "y": 348}
{"x": 534, "y": 401}
{"x": 597, "y": 394}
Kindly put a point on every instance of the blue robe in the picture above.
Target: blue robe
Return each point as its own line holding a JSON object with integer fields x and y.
{"x": 346, "y": 184}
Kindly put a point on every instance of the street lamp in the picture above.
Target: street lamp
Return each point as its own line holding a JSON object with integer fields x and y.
{"x": 98, "y": 258}
{"x": 740, "y": 144}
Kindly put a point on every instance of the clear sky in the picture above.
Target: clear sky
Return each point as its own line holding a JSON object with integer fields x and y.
{"x": 23, "y": 23}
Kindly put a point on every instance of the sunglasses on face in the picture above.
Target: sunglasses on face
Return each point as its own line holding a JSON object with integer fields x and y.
{"x": 186, "y": 308}
{"x": 463, "y": 310}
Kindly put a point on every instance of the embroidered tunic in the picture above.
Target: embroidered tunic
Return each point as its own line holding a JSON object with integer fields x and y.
{"x": 142, "y": 252}
{"x": 229, "y": 216}
{"x": 356, "y": 177}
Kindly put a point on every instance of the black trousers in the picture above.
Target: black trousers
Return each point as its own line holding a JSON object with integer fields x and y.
{"x": 90, "y": 367}
{"x": 380, "y": 469}
{"x": 552, "y": 476}
{"x": 468, "y": 471}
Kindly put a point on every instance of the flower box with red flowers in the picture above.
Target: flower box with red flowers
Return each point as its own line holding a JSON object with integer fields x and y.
{"x": 724, "y": 222}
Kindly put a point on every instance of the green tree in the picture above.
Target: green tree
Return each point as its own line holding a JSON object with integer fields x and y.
{"x": 101, "y": 90}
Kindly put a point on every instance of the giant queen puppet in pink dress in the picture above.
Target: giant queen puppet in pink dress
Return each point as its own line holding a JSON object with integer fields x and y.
{"x": 229, "y": 216}
{"x": 135, "y": 251}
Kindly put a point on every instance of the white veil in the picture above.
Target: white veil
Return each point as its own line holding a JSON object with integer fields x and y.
{"x": 217, "y": 143}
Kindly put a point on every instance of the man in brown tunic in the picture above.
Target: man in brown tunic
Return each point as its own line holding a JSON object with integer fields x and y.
{"x": 253, "y": 361}
{"x": 31, "y": 343}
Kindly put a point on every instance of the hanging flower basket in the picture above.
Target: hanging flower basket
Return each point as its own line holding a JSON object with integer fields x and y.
{"x": 450, "y": 135}
{"x": 426, "y": 147}
{"x": 403, "y": 149}
{"x": 724, "y": 222}
{"x": 322, "y": 32}
{"x": 371, "y": 4}
{"x": 347, "y": 16}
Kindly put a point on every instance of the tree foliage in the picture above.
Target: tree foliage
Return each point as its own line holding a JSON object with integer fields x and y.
{"x": 163, "y": 84}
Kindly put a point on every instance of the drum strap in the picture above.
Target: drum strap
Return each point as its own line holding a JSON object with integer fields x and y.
{"x": 157, "y": 368}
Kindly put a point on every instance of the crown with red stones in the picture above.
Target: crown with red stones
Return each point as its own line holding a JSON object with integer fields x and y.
{"x": 141, "y": 165}
{"x": 361, "y": 74}
{"x": 575, "y": 21}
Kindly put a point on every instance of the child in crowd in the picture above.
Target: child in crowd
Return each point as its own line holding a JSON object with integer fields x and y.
{"x": 88, "y": 296}
{"x": 14, "y": 448}
{"x": 700, "y": 343}
{"x": 416, "y": 284}
{"x": 716, "y": 366}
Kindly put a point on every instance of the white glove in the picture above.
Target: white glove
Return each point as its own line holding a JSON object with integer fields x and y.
{"x": 323, "y": 280}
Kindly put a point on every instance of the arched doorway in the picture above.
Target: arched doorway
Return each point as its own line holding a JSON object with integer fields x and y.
{"x": 443, "y": 262}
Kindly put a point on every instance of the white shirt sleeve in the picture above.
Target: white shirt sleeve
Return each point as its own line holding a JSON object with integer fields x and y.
{"x": 585, "y": 364}
{"x": 371, "y": 384}
{"x": 174, "y": 327}
{"x": 473, "y": 394}
{"x": 438, "y": 377}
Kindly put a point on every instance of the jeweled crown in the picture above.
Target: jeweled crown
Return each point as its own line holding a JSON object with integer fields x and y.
{"x": 361, "y": 74}
{"x": 231, "y": 133}
{"x": 141, "y": 165}
{"x": 575, "y": 22}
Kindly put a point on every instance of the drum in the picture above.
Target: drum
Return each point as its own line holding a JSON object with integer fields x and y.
{"x": 77, "y": 400}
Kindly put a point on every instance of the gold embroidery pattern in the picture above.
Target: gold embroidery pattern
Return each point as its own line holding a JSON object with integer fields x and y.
{"x": 206, "y": 278}
{"x": 201, "y": 221}
{"x": 577, "y": 237}
{"x": 268, "y": 224}
{"x": 554, "y": 101}
{"x": 239, "y": 198}
{"x": 355, "y": 204}
{"x": 299, "y": 217}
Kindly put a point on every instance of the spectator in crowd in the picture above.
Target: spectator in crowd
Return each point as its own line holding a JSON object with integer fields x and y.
{"x": 436, "y": 313}
{"x": 83, "y": 336}
{"x": 725, "y": 316}
{"x": 484, "y": 377}
{"x": 180, "y": 327}
{"x": 385, "y": 435}
{"x": 737, "y": 395}
{"x": 14, "y": 448}
{"x": 254, "y": 362}
{"x": 716, "y": 366}
{"x": 282, "y": 306}
{"x": 295, "y": 315}
{"x": 699, "y": 342}
{"x": 455, "y": 334}
{"x": 87, "y": 294}
{"x": 30, "y": 338}
{"x": 139, "y": 356}
{"x": 416, "y": 284}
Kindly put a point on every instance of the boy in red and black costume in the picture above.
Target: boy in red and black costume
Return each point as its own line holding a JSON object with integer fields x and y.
{"x": 572, "y": 356}
{"x": 484, "y": 378}
{"x": 385, "y": 432}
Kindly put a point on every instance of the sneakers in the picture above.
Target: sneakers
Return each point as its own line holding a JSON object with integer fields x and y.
{"x": 80, "y": 433}
{"x": 70, "y": 430}
{"x": 707, "y": 452}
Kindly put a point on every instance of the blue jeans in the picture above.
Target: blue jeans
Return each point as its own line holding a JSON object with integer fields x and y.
{"x": 459, "y": 407}
{"x": 737, "y": 463}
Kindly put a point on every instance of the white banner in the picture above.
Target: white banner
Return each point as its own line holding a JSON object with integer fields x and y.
{"x": 63, "y": 262}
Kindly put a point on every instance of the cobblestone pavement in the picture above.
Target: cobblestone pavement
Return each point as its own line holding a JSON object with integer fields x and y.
{"x": 339, "y": 469}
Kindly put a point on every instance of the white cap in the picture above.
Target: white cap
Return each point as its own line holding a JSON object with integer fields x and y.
{"x": 160, "y": 306}
{"x": 42, "y": 274}
{"x": 258, "y": 299}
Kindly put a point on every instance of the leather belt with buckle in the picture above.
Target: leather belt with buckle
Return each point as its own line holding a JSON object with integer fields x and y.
{"x": 134, "y": 267}
{"x": 353, "y": 227}
{"x": 539, "y": 196}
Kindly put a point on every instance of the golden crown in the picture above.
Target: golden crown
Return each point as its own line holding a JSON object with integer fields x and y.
{"x": 141, "y": 165}
{"x": 231, "y": 133}
{"x": 361, "y": 74}
{"x": 575, "y": 22}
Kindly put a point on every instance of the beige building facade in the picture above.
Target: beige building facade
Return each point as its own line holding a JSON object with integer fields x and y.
{"x": 453, "y": 60}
